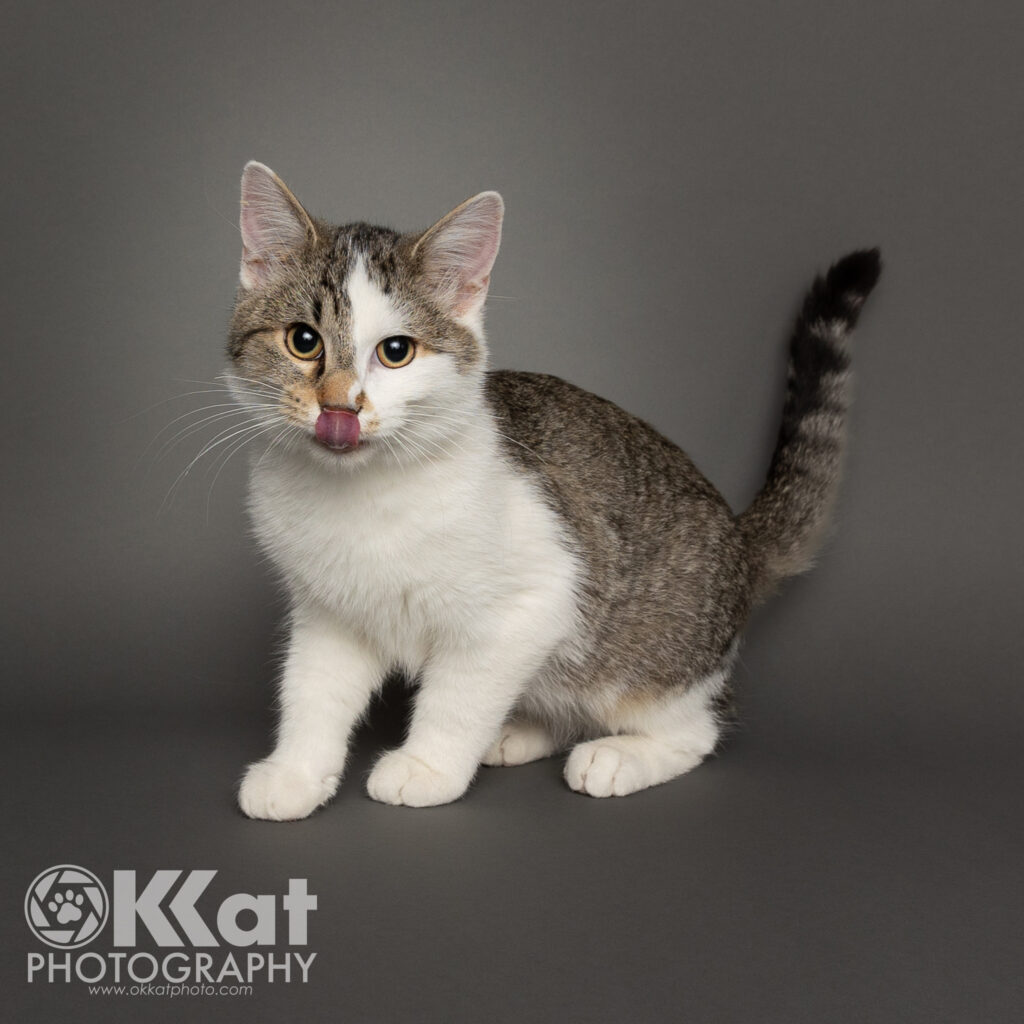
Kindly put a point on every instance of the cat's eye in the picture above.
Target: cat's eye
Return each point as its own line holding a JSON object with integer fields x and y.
{"x": 396, "y": 351}
{"x": 303, "y": 342}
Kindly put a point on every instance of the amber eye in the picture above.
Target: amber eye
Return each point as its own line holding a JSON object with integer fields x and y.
{"x": 303, "y": 342}
{"x": 397, "y": 351}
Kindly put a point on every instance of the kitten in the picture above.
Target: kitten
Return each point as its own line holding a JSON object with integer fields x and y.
{"x": 552, "y": 572}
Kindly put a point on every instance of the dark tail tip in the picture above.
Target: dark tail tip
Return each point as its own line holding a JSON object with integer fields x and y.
{"x": 856, "y": 274}
{"x": 840, "y": 294}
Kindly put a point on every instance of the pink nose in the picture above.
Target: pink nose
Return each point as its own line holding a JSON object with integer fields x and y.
{"x": 338, "y": 428}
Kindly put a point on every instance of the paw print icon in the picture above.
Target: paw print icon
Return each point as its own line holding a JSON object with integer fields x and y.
{"x": 66, "y": 906}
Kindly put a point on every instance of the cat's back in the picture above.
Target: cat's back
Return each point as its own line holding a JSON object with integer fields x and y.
{"x": 590, "y": 449}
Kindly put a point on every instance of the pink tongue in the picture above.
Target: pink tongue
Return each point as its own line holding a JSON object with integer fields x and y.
{"x": 338, "y": 428}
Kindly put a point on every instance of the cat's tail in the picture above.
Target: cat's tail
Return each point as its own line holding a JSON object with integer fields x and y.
{"x": 786, "y": 522}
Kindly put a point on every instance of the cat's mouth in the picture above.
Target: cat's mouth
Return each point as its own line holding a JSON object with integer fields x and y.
{"x": 338, "y": 429}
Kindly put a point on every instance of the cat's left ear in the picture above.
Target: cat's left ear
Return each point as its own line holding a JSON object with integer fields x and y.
{"x": 275, "y": 227}
{"x": 456, "y": 255}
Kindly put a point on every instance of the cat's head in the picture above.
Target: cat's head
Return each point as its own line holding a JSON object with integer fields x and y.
{"x": 364, "y": 343}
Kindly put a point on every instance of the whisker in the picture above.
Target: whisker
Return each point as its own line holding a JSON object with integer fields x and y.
{"x": 527, "y": 448}
{"x": 284, "y": 434}
{"x": 222, "y": 457}
{"x": 233, "y": 450}
{"x": 437, "y": 442}
{"x": 220, "y": 383}
{"x": 234, "y": 409}
{"x": 173, "y": 398}
{"x": 404, "y": 445}
{"x": 217, "y": 390}
{"x": 223, "y": 437}
{"x": 423, "y": 416}
{"x": 440, "y": 448}
{"x": 229, "y": 378}
{"x": 415, "y": 445}
{"x": 387, "y": 442}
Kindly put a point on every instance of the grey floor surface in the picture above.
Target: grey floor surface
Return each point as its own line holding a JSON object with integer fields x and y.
{"x": 777, "y": 883}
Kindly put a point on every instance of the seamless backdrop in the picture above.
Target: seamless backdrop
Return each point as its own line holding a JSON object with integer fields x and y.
{"x": 674, "y": 174}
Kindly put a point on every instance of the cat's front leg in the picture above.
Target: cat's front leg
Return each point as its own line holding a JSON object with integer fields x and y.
{"x": 464, "y": 697}
{"x": 328, "y": 680}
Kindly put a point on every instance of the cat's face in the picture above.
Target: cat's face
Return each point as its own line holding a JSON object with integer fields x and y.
{"x": 361, "y": 342}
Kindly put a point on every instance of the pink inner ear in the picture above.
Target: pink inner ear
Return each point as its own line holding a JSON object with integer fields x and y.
{"x": 460, "y": 251}
{"x": 273, "y": 226}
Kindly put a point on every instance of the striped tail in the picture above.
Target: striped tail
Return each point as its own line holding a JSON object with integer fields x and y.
{"x": 786, "y": 522}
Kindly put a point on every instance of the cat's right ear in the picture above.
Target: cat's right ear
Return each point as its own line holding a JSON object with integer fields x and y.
{"x": 274, "y": 225}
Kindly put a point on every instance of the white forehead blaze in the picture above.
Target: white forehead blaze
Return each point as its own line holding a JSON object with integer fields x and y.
{"x": 374, "y": 317}
{"x": 392, "y": 392}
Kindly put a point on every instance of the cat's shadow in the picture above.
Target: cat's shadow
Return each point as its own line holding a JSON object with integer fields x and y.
{"x": 385, "y": 724}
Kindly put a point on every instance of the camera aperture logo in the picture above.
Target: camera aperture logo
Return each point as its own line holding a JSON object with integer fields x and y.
{"x": 66, "y": 906}
{"x": 222, "y": 953}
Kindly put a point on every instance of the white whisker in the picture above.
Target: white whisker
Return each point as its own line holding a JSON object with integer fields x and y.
{"x": 233, "y": 409}
{"x": 222, "y": 438}
{"x": 234, "y": 449}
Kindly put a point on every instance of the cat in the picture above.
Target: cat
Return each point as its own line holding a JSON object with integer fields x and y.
{"x": 553, "y": 573}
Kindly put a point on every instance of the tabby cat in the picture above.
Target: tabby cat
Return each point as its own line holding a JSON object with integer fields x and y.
{"x": 552, "y": 573}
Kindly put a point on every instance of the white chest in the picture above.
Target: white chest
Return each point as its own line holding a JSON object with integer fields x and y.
{"x": 413, "y": 555}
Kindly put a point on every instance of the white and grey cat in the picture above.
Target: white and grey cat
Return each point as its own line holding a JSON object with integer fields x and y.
{"x": 549, "y": 571}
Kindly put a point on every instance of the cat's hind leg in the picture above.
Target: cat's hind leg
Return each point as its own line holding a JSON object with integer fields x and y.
{"x": 653, "y": 741}
{"x": 520, "y": 741}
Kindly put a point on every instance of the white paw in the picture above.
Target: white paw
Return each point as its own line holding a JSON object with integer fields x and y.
{"x": 280, "y": 792}
{"x": 520, "y": 743}
{"x": 611, "y": 766}
{"x": 399, "y": 778}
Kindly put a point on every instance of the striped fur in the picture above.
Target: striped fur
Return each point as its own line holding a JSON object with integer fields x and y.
{"x": 787, "y": 519}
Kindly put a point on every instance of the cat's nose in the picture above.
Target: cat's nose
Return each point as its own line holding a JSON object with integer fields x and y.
{"x": 338, "y": 428}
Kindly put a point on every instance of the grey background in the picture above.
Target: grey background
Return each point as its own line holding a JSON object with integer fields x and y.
{"x": 674, "y": 176}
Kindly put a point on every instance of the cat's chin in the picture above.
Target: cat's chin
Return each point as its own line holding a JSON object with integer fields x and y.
{"x": 343, "y": 449}
{"x": 348, "y": 456}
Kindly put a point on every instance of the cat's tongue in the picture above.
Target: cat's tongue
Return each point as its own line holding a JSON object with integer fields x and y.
{"x": 338, "y": 428}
